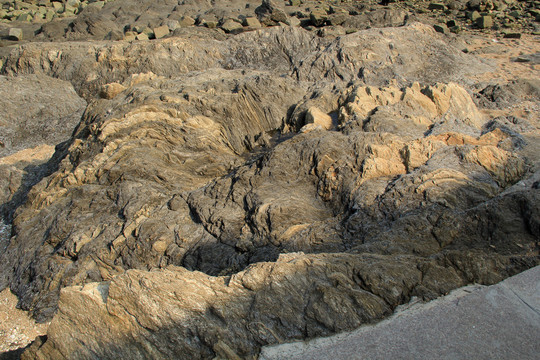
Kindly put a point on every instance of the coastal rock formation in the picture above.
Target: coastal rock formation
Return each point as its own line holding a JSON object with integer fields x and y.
{"x": 223, "y": 192}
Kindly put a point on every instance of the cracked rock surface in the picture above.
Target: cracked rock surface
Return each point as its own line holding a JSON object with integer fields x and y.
{"x": 221, "y": 193}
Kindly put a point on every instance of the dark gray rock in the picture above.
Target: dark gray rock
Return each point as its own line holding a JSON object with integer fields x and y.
{"x": 36, "y": 110}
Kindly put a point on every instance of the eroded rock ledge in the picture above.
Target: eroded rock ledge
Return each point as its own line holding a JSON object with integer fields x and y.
{"x": 180, "y": 222}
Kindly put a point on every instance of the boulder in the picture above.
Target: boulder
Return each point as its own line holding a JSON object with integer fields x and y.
{"x": 437, "y": 6}
{"x": 252, "y": 22}
{"x": 15, "y": 34}
{"x": 32, "y": 113}
{"x": 186, "y": 21}
{"x": 484, "y": 22}
{"x": 161, "y": 31}
{"x": 441, "y": 28}
{"x": 109, "y": 91}
{"x": 232, "y": 27}
{"x": 318, "y": 16}
{"x": 270, "y": 13}
{"x": 473, "y": 16}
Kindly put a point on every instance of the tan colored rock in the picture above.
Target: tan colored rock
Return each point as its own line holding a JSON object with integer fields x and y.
{"x": 318, "y": 16}
{"x": 142, "y": 36}
{"x": 252, "y": 22}
{"x": 17, "y": 328}
{"x": 316, "y": 116}
{"x": 161, "y": 31}
{"x": 186, "y": 21}
{"x": 15, "y": 34}
{"x": 232, "y": 27}
{"x": 364, "y": 218}
{"x": 110, "y": 91}
{"x": 453, "y": 101}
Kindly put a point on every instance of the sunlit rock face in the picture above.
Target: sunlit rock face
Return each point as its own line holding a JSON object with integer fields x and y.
{"x": 225, "y": 192}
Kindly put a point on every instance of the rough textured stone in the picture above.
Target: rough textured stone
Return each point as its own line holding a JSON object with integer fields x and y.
{"x": 474, "y": 16}
{"x": 190, "y": 214}
{"x": 233, "y": 27}
{"x": 15, "y": 34}
{"x": 161, "y": 31}
{"x": 318, "y": 17}
{"x": 270, "y": 13}
{"x": 436, "y": 6}
{"x": 317, "y": 117}
{"x": 484, "y": 22}
{"x": 441, "y": 28}
{"x": 512, "y": 35}
{"x": 186, "y": 21}
{"x": 35, "y": 110}
{"x": 252, "y": 22}
{"x": 110, "y": 91}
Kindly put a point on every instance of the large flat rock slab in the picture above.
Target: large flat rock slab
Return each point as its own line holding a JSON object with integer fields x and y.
{"x": 495, "y": 322}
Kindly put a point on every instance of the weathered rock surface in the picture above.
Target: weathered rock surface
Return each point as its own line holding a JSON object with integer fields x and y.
{"x": 188, "y": 215}
{"x": 36, "y": 110}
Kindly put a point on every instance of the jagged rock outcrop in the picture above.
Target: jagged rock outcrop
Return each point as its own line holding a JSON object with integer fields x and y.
{"x": 190, "y": 213}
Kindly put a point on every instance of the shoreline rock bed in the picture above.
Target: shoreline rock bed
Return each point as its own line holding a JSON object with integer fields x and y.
{"x": 63, "y": 20}
{"x": 221, "y": 193}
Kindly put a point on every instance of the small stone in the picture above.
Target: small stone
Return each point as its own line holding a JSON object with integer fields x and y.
{"x": 455, "y": 5}
{"x": 484, "y": 22}
{"x": 58, "y": 6}
{"x": 15, "y": 34}
{"x": 232, "y": 27}
{"x": 318, "y": 17}
{"x": 514, "y": 14}
{"x": 337, "y": 19}
{"x": 455, "y": 29}
{"x": 295, "y": 2}
{"x": 252, "y": 23}
{"x": 294, "y": 21}
{"x": 114, "y": 35}
{"x": 437, "y": 6}
{"x": 512, "y": 35}
{"x": 70, "y": 10}
{"x": 186, "y": 21}
{"x": 130, "y": 35}
{"x": 473, "y": 16}
{"x": 161, "y": 31}
{"x": 25, "y": 17}
{"x": 49, "y": 15}
{"x": 171, "y": 24}
{"x": 142, "y": 36}
{"x": 451, "y": 23}
{"x": 98, "y": 5}
{"x": 137, "y": 28}
{"x": 211, "y": 24}
{"x": 74, "y": 3}
{"x": 474, "y": 4}
{"x": 279, "y": 15}
{"x": 441, "y": 28}
{"x": 175, "y": 203}
{"x": 110, "y": 91}
{"x": 160, "y": 246}
{"x": 315, "y": 116}
{"x": 500, "y": 6}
